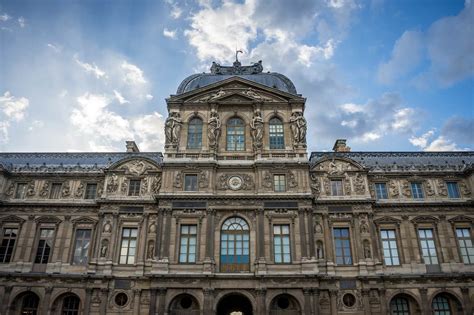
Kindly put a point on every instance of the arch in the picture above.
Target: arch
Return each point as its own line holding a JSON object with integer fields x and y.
{"x": 447, "y": 301}
{"x": 26, "y": 302}
{"x": 194, "y": 139}
{"x": 67, "y": 303}
{"x": 404, "y": 304}
{"x": 354, "y": 163}
{"x": 276, "y": 133}
{"x": 184, "y": 304}
{"x": 235, "y": 245}
{"x": 120, "y": 162}
{"x": 229, "y": 299}
{"x": 284, "y": 304}
{"x": 235, "y": 134}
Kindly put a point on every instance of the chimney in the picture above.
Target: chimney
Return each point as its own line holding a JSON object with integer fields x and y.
{"x": 340, "y": 146}
{"x": 132, "y": 146}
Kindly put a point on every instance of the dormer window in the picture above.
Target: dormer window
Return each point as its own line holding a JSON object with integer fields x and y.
{"x": 134, "y": 187}
{"x": 20, "y": 191}
{"x": 417, "y": 190}
{"x": 453, "y": 190}
{"x": 55, "y": 191}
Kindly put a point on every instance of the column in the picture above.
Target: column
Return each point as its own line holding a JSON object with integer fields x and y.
{"x": 333, "y": 296}
{"x": 159, "y": 233}
{"x": 161, "y": 301}
{"x": 208, "y": 301}
{"x": 87, "y": 301}
{"x": 6, "y": 298}
{"x": 167, "y": 234}
{"x": 316, "y": 301}
{"x": 307, "y": 301}
{"x": 304, "y": 251}
{"x": 383, "y": 301}
{"x": 425, "y": 306}
{"x": 260, "y": 235}
{"x": 329, "y": 254}
{"x": 210, "y": 234}
{"x": 312, "y": 243}
{"x": 63, "y": 250}
{"x": 466, "y": 301}
{"x": 261, "y": 307}
{"x": 365, "y": 300}
{"x": 152, "y": 301}
{"x": 46, "y": 300}
{"x": 136, "y": 300}
{"x": 104, "y": 292}
{"x": 27, "y": 239}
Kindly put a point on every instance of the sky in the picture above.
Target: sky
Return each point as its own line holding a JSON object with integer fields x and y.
{"x": 89, "y": 75}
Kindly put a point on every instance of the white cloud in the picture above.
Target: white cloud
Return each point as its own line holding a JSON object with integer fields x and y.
{"x": 55, "y": 48}
{"x": 403, "y": 119}
{"x": 13, "y": 108}
{"x": 4, "y": 17}
{"x": 4, "y": 125}
{"x": 149, "y": 97}
{"x": 149, "y": 130}
{"x": 36, "y": 124}
{"x": 169, "y": 33}
{"x": 120, "y": 98}
{"x": 22, "y": 21}
{"x": 422, "y": 141}
{"x": 442, "y": 144}
{"x": 132, "y": 74}
{"x": 92, "y": 68}
{"x": 351, "y": 108}
{"x": 176, "y": 11}
{"x": 439, "y": 143}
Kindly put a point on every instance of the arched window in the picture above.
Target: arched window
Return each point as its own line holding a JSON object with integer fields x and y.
{"x": 277, "y": 137}
{"x": 29, "y": 305}
{"x": 399, "y": 306}
{"x": 195, "y": 133}
{"x": 235, "y": 241}
{"x": 70, "y": 305}
{"x": 441, "y": 306}
{"x": 235, "y": 134}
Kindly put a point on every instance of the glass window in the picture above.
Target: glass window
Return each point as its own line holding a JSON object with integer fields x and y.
{"x": 91, "y": 191}
{"x": 55, "y": 191}
{"x": 134, "y": 187}
{"x": 235, "y": 134}
{"x": 235, "y": 242}
{"x": 417, "y": 190}
{"x": 279, "y": 182}
{"x": 336, "y": 187}
{"x": 381, "y": 191}
{"x": 343, "y": 246}
{"x": 453, "y": 190}
{"x": 389, "y": 244}
{"x": 128, "y": 246}
{"x": 465, "y": 245}
{"x": 8, "y": 244}
{"x": 187, "y": 249}
{"x": 399, "y": 306}
{"x": 29, "y": 305}
{"x": 277, "y": 137}
{"x": 45, "y": 246}
{"x": 70, "y": 305}
{"x": 81, "y": 247}
{"x": 195, "y": 133}
{"x": 191, "y": 182}
{"x": 428, "y": 247}
{"x": 281, "y": 243}
{"x": 440, "y": 306}
{"x": 20, "y": 192}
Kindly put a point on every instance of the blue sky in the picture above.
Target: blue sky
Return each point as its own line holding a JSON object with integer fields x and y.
{"x": 88, "y": 75}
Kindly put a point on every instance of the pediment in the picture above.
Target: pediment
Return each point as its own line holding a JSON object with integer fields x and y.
{"x": 135, "y": 166}
{"x": 48, "y": 219}
{"x": 84, "y": 220}
{"x": 425, "y": 219}
{"x": 235, "y": 93}
{"x": 337, "y": 166}
{"x": 12, "y": 218}
{"x": 387, "y": 220}
{"x": 461, "y": 218}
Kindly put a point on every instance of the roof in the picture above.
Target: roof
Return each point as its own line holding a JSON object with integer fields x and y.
{"x": 69, "y": 162}
{"x": 252, "y": 73}
{"x": 403, "y": 161}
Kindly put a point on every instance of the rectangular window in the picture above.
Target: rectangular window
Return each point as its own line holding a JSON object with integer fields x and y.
{"x": 91, "y": 191}
{"x": 134, "y": 187}
{"x": 389, "y": 244}
{"x": 81, "y": 247}
{"x": 279, "y": 183}
{"x": 381, "y": 191}
{"x": 128, "y": 246}
{"x": 55, "y": 191}
{"x": 20, "y": 192}
{"x": 190, "y": 182}
{"x": 336, "y": 187}
{"x": 277, "y": 139}
{"x": 45, "y": 246}
{"x": 417, "y": 190}
{"x": 281, "y": 243}
{"x": 187, "y": 249}
{"x": 453, "y": 190}
{"x": 428, "y": 247}
{"x": 8, "y": 244}
{"x": 465, "y": 245}
{"x": 342, "y": 244}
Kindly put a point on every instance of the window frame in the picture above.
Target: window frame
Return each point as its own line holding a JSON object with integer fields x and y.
{"x": 136, "y": 191}
{"x": 196, "y": 135}
{"x": 89, "y": 250}
{"x": 276, "y": 134}
{"x": 56, "y": 184}
{"x": 54, "y": 228}
{"x": 245, "y": 231}
{"x": 86, "y": 197}
{"x": 396, "y": 239}
{"x": 67, "y": 308}
{"x": 235, "y": 135}
{"x": 419, "y": 190}
{"x": 377, "y": 191}
{"x": 351, "y": 252}
{"x": 338, "y": 180}
{"x": 398, "y": 311}
{"x": 2, "y": 237}
{"x": 22, "y": 195}
{"x": 461, "y": 256}
{"x": 188, "y": 237}
{"x": 447, "y": 183}
{"x": 127, "y": 263}
{"x": 279, "y": 175}
{"x": 435, "y": 242}
{"x": 189, "y": 175}
{"x": 282, "y": 252}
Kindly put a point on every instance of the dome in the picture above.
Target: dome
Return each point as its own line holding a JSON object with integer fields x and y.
{"x": 252, "y": 73}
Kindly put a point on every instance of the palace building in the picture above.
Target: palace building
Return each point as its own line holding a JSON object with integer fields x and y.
{"x": 235, "y": 218}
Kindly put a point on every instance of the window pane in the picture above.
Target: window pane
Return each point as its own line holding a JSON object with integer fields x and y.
{"x": 276, "y": 136}
{"x": 190, "y": 183}
{"x": 195, "y": 134}
{"x": 128, "y": 245}
{"x": 342, "y": 246}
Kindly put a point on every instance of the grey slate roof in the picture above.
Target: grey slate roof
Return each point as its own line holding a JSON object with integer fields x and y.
{"x": 404, "y": 161}
{"x": 69, "y": 162}
{"x": 252, "y": 73}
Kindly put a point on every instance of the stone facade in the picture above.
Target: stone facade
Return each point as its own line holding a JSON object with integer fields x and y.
{"x": 235, "y": 217}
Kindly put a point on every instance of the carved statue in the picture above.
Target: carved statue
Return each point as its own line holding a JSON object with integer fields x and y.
{"x": 112, "y": 185}
{"x": 66, "y": 189}
{"x": 442, "y": 190}
{"x": 107, "y": 227}
{"x": 80, "y": 190}
{"x": 104, "y": 248}
{"x": 30, "y": 191}
{"x": 255, "y": 95}
{"x": 156, "y": 184}
{"x": 319, "y": 250}
{"x": 367, "y": 253}
{"x": 464, "y": 188}
{"x": 298, "y": 127}
{"x": 212, "y": 96}
{"x": 152, "y": 228}
{"x": 393, "y": 189}
{"x": 214, "y": 129}
{"x": 257, "y": 130}
{"x": 178, "y": 181}
{"x": 10, "y": 190}
{"x": 315, "y": 184}
{"x": 173, "y": 128}
{"x": 429, "y": 188}
{"x": 359, "y": 184}
{"x": 45, "y": 190}
{"x": 151, "y": 250}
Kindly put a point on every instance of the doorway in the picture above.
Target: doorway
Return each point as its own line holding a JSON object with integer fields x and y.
{"x": 234, "y": 304}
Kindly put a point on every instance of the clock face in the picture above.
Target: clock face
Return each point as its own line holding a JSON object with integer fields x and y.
{"x": 235, "y": 182}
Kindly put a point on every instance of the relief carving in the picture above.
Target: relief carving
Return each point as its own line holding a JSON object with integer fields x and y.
{"x": 359, "y": 184}
{"x": 173, "y": 128}
{"x": 267, "y": 180}
{"x": 429, "y": 188}
{"x": 250, "y": 92}
{"x": 406, "y": 190}
{"x": 156, "y": 184}
{"x": 292, "y": 182}
{"x": 124, "y": 187}
{"x": 203, "y": 179}
{"x": 327, "y": 186}
{"x": 112, "y": 184}
{"x": 44, "y": 192}
{"x": 393, "y": 189}
{"x": 298, "y": 128}
{"x": 10, "y": 190}
{"x": 30, "y": 190}
{"x": 66, "y": 189}
{"x": 135, "y": 168}
{"x": 212, "y": 96}
{"x": 464, "y": 188}
{"x": 178, "y": 181}
{"x": 80, "y": 190}
{"x": 245, "y": 184}
{"x": 315, "y": 184}
{"x": 346, "y": 182}
{"x": 144, "y": 186}
{"x": 442, "y": 190}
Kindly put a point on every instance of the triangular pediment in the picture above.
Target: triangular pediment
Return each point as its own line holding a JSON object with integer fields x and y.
{"x": 12, "y": 218}
{"x": 218, "y": 91}
{"x": 387, "y": 220}
{"x": 461, "y": 218}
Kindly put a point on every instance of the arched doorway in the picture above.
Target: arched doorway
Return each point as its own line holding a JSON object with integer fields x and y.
{"x": 25, "y": 303}
{"x": 235, "y": 243}
{"x": 284, "y": 304}
{"x": 184, "y": 304}
{"x": 234, "y": 304}
{"x": 446, "y": 304}
{"x": 66, "y": 304}
{"x": 404, "y": 304}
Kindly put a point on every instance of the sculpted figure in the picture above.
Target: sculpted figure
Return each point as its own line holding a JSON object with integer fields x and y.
{"x": 294, "y": 127}
{"x": 214, "y": 129}
{"x": 257, "y": 130}
{"x": 104, "y": 248}
{"x": 298, "y": 127}
{"x": 173, "y": 128}
{"x": 151, "y": 250}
